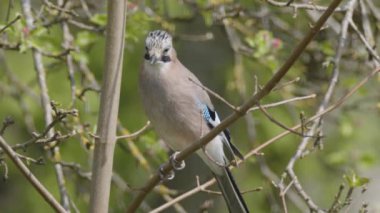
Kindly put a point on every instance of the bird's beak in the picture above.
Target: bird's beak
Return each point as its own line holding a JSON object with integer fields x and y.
{"x": 153, "y": 59}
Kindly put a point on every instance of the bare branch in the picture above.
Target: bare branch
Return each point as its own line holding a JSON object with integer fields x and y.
{"x": 30, "y": 177}
{"x": 59, "y": 8}
{"x": 8, "y": 121}
{"x": 267, "y": 106}
{"x": 67, "y": 43}
{"x": 135, "y": 134}
{"x": 216, "y": 95}
{"x": 279, "y": 123}
{"x": 303, "y": 6}
{"x": 370, "y": 49}
{"x": 109, "y": 105}
{"x": 336, "y": 199}
{"x": 4, "y": 164}
{"x": 10, "y": 23}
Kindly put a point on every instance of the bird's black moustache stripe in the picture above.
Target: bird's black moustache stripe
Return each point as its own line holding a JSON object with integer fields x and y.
{"x": 147, "y": 56}
{"x": 165, "y": 58}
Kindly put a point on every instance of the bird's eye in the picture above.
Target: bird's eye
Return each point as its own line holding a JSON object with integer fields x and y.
{"x": 166, "y": 50}
{"x": 146, "y": 48}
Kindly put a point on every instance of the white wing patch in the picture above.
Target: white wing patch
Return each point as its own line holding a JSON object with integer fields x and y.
{"x": 212, "y": 120}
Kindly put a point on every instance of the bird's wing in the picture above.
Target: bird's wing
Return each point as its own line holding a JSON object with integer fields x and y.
{"x": 212, "y": 119}
{"x": 210, "y": 116}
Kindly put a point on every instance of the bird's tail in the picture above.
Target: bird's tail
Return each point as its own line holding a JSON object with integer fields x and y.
{"x": 231, "y": 193}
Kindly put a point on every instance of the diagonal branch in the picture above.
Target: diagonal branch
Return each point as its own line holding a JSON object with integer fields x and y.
{"x": 49, "y": 198}
{"x": 240, "y": 110}
{"x": 10, "y": 23}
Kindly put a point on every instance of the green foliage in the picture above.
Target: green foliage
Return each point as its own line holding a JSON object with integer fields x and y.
{"x": 84, "y": 38}
{"x": 134, "y": 32}
{"x": 176, "y": 9}
{"x": 43, "y": 39}
{"x": 99, "y": 19}
{"x": 265, "y": 48}
{"x": 354, "y": 180}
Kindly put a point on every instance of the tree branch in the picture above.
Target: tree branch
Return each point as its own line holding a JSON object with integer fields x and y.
{"x": 109, "y": 105}
{"x": 49, "y": 198}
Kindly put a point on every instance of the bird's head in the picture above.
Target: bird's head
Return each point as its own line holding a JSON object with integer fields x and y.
{"x": 158, "y": 47}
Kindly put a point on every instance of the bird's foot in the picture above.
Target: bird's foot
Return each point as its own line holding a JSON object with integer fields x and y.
{"x": 177, "y": 165}
{"x": 165, "y": 177}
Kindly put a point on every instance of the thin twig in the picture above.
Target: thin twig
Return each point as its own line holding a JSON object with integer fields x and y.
{"x": 4, "y": 164}
{"x": 49, "y": 198}
{"x": 285, "y": 84}
{"x": 370, "y": 49}
{"x": 39, "y": 161}
{"x": 216, "y": 95}
{"x": 278, "y": 123}
{"x": 8, "y": 121}
{"x": 59, "y": 55}
{"x": 336, "y": 199}
{"x": 8, "y": 46}
{"x": 303, "y": 6}
{"x": 85, "y": 8}
{"x": 183, "y": 196}
{"x": 67, "y": 43}
{"x": 135, "y": 134}
{"x": 41, "y": 138}
{"x": 134, "y": 150}
{"x": 267, "y": 106}
{"x": 10, "y": 23}
{"x": 59, "y": 8}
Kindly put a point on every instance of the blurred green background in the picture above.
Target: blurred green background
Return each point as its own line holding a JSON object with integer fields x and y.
{"x": 350, "y": 137}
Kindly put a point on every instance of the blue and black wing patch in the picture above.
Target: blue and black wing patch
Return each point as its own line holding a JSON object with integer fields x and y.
{"x": 213, "y": 120}
{"x": 210, "y": 116}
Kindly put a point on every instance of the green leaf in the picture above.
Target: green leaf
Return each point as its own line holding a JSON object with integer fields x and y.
{"x": 99, "y": 19}
{"x": 134, "y": 32}
{"x": 327, "y": 49}
{"x": 176, "y": 9}
{"x": 80, "y": 57}
{"x": 337, "y": 158}
{"x": 263, "y": 43}
{"x": 202, "y": 3}
{"x": 207, "y": 16}
{"x": 346, "y": 128}
{"x": 85, "y": 38}
{"x": 368, "y": 159}
{"x": 354, "y": 180}
{"x": 40, "y": 38}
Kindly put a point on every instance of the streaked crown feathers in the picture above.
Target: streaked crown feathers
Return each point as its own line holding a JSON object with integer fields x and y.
{"x": 158, "y": 39}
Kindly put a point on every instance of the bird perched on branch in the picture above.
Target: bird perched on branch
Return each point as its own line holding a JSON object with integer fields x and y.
{"x": 181, "y": 112}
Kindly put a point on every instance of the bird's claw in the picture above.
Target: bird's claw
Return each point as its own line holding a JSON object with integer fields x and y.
{"x": 164, "y": 177}
{"x": 177, "y": 165}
